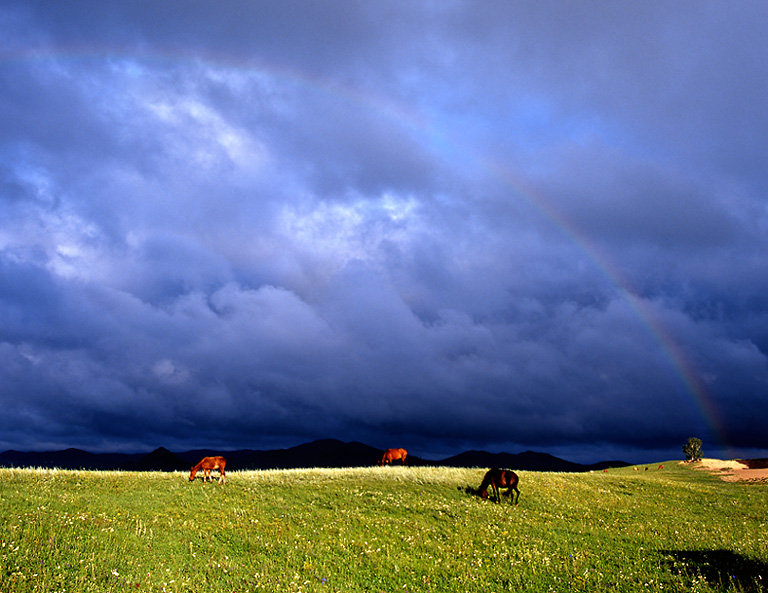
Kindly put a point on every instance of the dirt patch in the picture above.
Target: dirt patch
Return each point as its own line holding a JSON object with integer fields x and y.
{"x": 735, "y": 470}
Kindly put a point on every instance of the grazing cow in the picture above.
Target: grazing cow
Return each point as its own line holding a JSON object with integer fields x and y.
{"x": 500, "y": 478}
{"x": 207, "y": 464}
{"x": 391, "y": 455}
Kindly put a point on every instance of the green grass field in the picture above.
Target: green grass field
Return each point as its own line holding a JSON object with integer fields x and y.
{"x": 380, "y": 529}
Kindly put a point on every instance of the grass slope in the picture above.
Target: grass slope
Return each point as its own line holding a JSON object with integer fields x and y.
{"x": 380, "y": 529}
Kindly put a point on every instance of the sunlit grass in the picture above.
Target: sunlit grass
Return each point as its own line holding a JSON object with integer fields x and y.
{"x": 380, "y": 529}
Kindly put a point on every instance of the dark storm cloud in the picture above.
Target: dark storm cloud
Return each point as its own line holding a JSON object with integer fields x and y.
{"x": 535, "y": 226}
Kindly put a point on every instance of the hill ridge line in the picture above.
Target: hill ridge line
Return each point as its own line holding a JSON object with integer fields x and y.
{"x": 319, "y": 453}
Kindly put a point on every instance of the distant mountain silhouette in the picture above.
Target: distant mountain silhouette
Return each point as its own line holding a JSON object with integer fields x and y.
{"x": 67, "y": 459}
{"x": 522, "y": 461}
{"x": 321, "y": 453}
{"x": 160, "y": 459}
{"x": 526, "y": 461}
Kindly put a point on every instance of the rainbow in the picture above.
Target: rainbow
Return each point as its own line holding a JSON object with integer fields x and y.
{"x": 421, "y": 128}
{"x": 671, "y": 349}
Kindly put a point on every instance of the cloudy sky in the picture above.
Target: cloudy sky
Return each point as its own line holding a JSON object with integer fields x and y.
{"x": 433, "y": 225}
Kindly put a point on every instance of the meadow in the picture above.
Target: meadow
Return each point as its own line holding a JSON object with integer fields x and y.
{"x": 403, "y": 529}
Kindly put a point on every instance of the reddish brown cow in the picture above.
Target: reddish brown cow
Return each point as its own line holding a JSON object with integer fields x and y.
{"x": 391, "y": 455}
{"x": 207, "y": 464}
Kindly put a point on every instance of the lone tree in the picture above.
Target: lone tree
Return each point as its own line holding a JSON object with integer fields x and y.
{"x": 692, "y": 449}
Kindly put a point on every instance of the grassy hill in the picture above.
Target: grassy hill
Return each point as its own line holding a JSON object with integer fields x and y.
{"x": 380, "y": 529}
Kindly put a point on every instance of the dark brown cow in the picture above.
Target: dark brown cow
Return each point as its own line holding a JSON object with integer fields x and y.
{"x": 500, "y": 478}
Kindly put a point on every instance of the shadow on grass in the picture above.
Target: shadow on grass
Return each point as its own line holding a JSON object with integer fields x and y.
{"x": 723, "y": 568}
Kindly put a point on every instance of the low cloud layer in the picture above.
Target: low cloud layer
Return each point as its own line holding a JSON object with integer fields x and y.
{"x": 442, "y": 227}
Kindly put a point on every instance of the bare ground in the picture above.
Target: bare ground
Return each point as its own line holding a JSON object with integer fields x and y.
{"x": 734, "y": 470}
